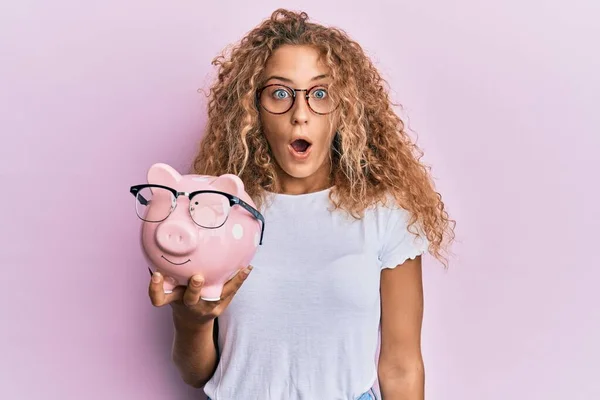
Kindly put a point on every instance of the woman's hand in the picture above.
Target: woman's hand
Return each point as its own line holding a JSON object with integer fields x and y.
{"x": 186, "y": 302}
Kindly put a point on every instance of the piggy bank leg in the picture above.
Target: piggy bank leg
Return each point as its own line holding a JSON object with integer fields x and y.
{"x": 169, "y": 285}
{"x": 211, "y": 293}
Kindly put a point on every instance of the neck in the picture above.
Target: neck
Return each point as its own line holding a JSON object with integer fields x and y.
{"x": 318, "y": 181}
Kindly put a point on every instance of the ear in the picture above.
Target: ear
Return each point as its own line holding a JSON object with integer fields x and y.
{"x": 163, "y": 174}
{"x": 229, "y": 183}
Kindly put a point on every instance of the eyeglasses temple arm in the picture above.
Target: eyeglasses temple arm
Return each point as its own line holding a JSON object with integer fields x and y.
{"x": 256, "y": 214}
{"x": 139, "y": 197}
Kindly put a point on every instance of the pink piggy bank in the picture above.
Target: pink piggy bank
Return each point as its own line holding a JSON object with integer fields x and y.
{"x": 196, "y": 224}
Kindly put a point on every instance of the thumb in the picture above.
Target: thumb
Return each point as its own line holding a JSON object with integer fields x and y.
{"x": 236, "y": 282}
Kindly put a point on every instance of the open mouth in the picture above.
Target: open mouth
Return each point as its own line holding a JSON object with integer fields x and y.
{"x": 300, "y": 147}
{"x": 188, "y": 260}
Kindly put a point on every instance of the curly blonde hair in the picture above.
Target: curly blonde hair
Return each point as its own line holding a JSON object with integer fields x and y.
{"x": 372, "y": 156}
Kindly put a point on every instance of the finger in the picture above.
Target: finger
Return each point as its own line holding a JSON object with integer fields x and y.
{"x": 158, "y": 297}
{"x": 191, "y": 296}
{"x": 156, "y": 291}
{"x": 236, "y": 282}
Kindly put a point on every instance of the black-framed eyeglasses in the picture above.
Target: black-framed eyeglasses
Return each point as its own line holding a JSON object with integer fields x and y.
{"x": 208, "y": 208}
{"x": 279, "y": 99}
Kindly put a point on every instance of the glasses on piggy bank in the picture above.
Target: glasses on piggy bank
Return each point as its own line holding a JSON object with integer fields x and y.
{"x": 208, "y": 209}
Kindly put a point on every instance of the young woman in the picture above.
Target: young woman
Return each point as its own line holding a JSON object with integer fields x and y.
{"x": 301, "y": 115}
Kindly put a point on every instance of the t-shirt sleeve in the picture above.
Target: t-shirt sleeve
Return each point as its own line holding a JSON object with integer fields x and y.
{"x": 400, "y": 244}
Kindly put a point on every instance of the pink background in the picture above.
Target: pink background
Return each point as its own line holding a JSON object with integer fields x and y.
{"x": 504, "y": 97}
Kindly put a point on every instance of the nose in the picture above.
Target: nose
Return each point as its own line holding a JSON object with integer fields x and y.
{"x": 177, "y": 237}
{"x": 301, "y": 110}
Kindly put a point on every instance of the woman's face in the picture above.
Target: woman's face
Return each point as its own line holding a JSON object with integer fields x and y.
{"x": 300, "y": 138}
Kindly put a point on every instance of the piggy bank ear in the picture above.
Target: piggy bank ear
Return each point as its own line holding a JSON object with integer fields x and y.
{"x": 163, "y": 174}
{"x": 229, "y": 183}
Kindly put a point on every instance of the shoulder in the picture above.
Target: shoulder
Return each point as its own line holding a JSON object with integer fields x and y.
{"x": 388, "y": 215}
{"x": 400, "y": 238}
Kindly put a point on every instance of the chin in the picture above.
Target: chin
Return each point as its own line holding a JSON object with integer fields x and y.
{"x": 300, "y": 171}
{"x": 301, "y": 168}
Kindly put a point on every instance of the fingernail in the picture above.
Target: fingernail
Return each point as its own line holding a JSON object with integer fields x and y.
{"x": 248, "y": 269}
{"x": 197, "y": 281}
{"x": 156, "y": 277}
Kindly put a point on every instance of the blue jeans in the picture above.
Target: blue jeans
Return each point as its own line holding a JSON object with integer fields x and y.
{"x": 370, "y": 395}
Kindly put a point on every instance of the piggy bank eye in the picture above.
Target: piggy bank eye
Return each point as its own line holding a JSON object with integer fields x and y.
{"x": 209, "y": 210}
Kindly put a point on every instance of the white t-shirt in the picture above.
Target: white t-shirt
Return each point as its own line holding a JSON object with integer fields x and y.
{"x": 305, "y": 324}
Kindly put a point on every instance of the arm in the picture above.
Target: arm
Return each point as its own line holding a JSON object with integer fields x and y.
{"x": 194, "y": 350}
{"x": 401, "y": 369}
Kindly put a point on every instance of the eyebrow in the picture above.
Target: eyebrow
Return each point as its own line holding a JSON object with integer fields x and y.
{"x": 281, "y": 78}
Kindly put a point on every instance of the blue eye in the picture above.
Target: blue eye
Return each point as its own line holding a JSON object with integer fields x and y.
{"x": 319, "y": 94}
{"x": 280, "y": 94}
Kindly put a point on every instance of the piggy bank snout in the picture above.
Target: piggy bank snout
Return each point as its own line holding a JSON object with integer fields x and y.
{"x": 177, "y": 237}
